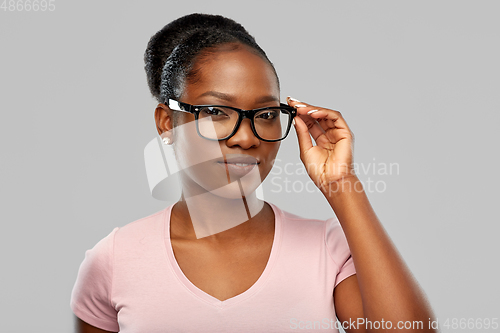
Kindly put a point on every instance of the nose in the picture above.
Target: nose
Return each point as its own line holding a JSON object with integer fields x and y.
{"x": 244, "y": 136}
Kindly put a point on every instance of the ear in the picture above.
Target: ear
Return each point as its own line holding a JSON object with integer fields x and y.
{"x": 163, "y": 118}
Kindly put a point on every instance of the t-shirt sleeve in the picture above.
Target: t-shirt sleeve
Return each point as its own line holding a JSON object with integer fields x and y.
{"x": 91, "y": 295}
{"x": 339, "y": 250}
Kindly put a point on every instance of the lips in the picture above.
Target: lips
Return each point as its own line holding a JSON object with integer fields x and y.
{"x": 238, "y": 165}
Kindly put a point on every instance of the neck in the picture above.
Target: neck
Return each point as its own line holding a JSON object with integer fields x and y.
{"x": 212, "y": 215}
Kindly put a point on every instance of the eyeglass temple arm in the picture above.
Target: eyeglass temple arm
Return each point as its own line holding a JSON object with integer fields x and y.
{"x": 178, "y": 106}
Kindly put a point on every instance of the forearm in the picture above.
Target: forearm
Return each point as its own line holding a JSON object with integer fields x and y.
{"x": 388, "y": 289}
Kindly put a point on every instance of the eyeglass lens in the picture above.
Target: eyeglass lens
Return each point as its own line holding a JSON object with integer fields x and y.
{"x": 219, "y": 122}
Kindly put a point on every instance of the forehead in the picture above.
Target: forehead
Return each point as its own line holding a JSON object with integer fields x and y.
{"x": 238, "y": 72}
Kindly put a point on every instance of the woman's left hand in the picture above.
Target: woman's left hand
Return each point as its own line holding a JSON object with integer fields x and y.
{"x": 331, "y": 159}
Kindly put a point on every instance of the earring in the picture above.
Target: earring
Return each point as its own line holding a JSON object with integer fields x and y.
{"x": 166, "y": 137}
{"x": 167, "y": 140}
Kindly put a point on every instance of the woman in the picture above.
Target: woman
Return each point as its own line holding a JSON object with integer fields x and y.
{"x": 220, "y": 259}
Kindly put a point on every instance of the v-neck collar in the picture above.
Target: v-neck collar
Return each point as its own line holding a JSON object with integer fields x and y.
{"x": 205, "y": 297}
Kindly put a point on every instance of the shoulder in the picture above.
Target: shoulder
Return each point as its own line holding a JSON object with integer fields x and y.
{"x": 103, "y": 251}
{"x": 103, "y": 256}
{"x": 330, "y": 231}
{"x": 142, "y": 238}
{"x": 143, "y": 227}
{"x": 290, "y": 218}
{"x": 299, "y": 228}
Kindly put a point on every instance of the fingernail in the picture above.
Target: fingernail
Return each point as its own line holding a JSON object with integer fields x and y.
{"x": 293, "y": 121}
{"x": 300, "y": 105}
{"x": 293, "y": 99}
{"x": 312, "y": 111}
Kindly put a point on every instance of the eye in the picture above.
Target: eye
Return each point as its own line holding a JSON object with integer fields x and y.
{"x": 212, "y": 111}
{"x": 268, "y": 115}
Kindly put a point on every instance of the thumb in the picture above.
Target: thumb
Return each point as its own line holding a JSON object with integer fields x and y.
{"x": 305, "y": 142}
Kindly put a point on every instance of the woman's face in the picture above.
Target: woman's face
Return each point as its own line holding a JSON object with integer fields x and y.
{"x": 237, "y": 78}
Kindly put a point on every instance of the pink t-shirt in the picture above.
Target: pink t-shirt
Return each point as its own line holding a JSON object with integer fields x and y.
{"x": 130, "y": 282}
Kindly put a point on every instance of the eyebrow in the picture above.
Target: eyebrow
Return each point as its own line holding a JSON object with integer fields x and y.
{"x": 231, "y": 98}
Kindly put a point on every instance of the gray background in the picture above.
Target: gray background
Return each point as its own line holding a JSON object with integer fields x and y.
{"x": 418, "y": 83}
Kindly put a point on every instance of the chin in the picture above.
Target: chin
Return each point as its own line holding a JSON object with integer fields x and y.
{"x": 240, "y": 187}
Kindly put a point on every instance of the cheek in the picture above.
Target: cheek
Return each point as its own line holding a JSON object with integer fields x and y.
{"x": 195, "y": 157}
{"x": 191, "y": 149}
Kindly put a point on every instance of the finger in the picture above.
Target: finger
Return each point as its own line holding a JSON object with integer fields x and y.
{"x": 316, "y": 128}
{"x": 326, "y": 124}
{"x": 336, "y": 135}
{"x": 323, "y": 130}
{"x": 335, "y": 117}
{"x": 305, "y": 142}
{"x": 323, "y": 121}
{"x": 330, "y": 118}
{"x": 313, "y": 127}
{"x": 297, "y": 104}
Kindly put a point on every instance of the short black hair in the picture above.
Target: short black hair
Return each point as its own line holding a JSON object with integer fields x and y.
{"x": 172, "y": 52}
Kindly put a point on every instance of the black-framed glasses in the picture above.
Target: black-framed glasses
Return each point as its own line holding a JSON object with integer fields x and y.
{"x": 220, "y": 122}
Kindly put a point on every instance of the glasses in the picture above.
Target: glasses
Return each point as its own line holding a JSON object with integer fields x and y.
{"x": 219, "y": 122}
